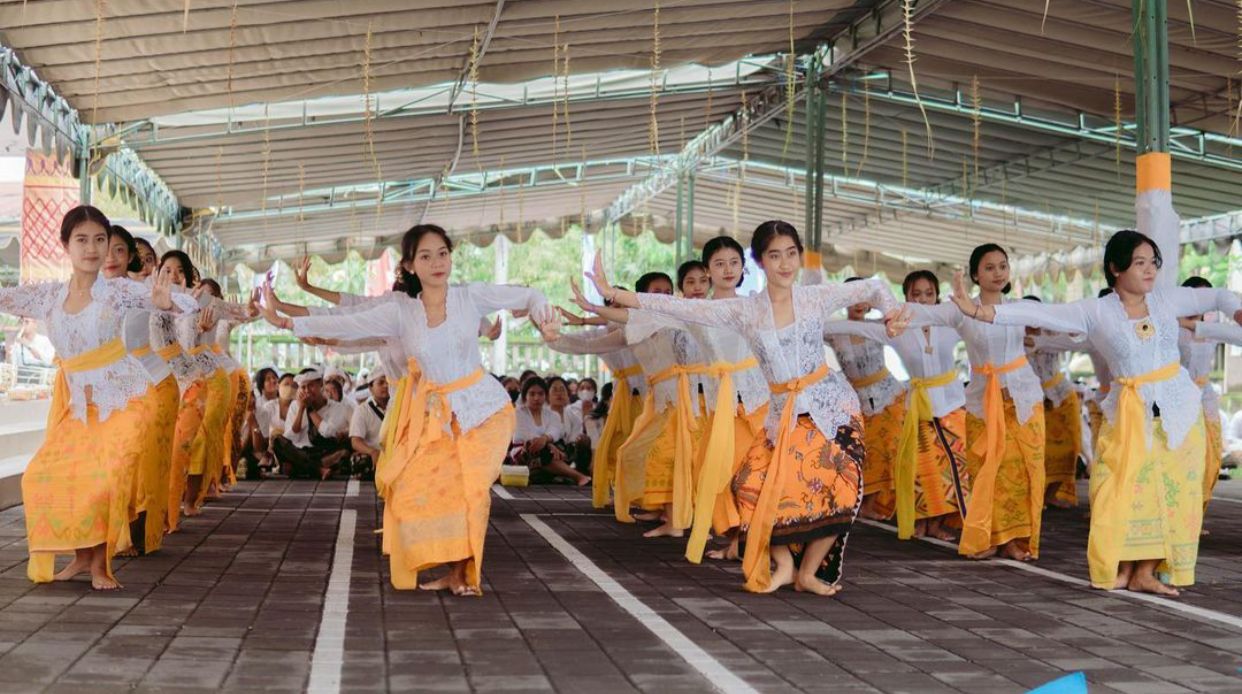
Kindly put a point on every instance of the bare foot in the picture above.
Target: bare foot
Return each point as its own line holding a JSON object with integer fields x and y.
{"x": 464, "y": 591}
{"x": 985, "y": 554}
{"x": 871, "y": 514}
{"x": 130, "y": 551}
{"x": 584, "y": 481}
{"x": 648, "y": 516}
{"x": 1016, "y": 553}
{"x": 1204, "y": 532}
{"x": 1151, "y": 584}
{"x": 442, "y": 583}
{"x": 943, "y": 533}
{"x": 815, "y": 586}
{"x": 781, "y": 577}
{"x": 191, "y": 511}
{"x": 1123, "y": 579}
{"x": 102, "y": 582}
{"x": 77, "y": 566}
{"x": 920, "y": 528}
{"x": 665, "y": 530}
{"x": 1058, "y": 503}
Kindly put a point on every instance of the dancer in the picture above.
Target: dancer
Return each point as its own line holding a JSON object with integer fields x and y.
{"x": 76, "y": 489}
{"x": 150, "y": 338}
{"x": 931, "y": 483}
{"x": 1004, "y": 420}
{"x": 1147, "y": 490}
{"x": 883, "y": 408}
{"x": 799, "y": 489}
{"x": 1197, "y": 355}
{"x": 452, "y": 428}
{"x": 1062, "y": 413}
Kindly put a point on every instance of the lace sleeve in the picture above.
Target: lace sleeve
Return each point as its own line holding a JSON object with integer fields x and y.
{"x": 490, "y": 298}
{"x": 30, "y": 300}
{"x": 1061, "y": 342}
{"x": 720, "y": 313}
{"x": 382, "y": 320}
{"x": 1193, "y": 302}
{"x": 351, "y": 303}
{"x": 127, "y": 295}
{"x": 875, "y": 332}
{"x": 830, "y": 298}
{"x": 643, "y": 324}
{"x": 596, "y": 343}
{"x": 358, "y": 346}
{"x": 1229, "y": 333}
{"x": 946, "y": 315}
{"x": 1067, "y": 318}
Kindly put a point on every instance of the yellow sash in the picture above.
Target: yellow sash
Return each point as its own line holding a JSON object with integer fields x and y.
{"x": 1053, "y": 382}
{"x": 616, "y": 426}
{"x": 424, "y": 409}
{"x": 104, "y": 355}
{"x": 1111, "y": 521}
{"x": 918, "y": 409}
{"x": 199, "y": 349}
{"x": 686, "y": 423}
{"x": 870, "y": 380}
{"x": 755, "y": 563}
{"x": 217, "y": 349}
{"x": 977, "y": 530}
{"x": 1202, "y": 381}
{"x": 719, "y": 453}
{"x": 169, "y": 352}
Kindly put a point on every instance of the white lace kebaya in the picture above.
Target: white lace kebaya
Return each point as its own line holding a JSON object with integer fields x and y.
{"x": 1197, "y": 356}
{"x": 861, "y": 358}
{"x": 1046, "y": 358}
{"x": 793, "y": 351}
{"x": 1229, "y": 333}
{"x": 717, "y": 345}
{"x": 609, "y": 343}
{"x": 987, "y": 343}
{"x": 924, "y": 354}
{"x": 101, "y": 321}
{"x": 1134, "y": 347}
{"x": 446, "y": 352}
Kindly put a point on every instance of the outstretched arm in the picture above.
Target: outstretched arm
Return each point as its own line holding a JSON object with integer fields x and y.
{"x": 1228, "y": 333}
{"x": 601, "y": 341}
{"x": 302, "y": 275}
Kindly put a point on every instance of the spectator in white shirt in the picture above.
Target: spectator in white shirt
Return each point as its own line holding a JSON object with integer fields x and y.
{"x": 576, "y": 443}
{"x": 539, "y": 437}
{"x": 365, "y": 427}
{"x": 315, "y": 440}
{"x": 33, "y": 349}
{"x": 259, "y": 422}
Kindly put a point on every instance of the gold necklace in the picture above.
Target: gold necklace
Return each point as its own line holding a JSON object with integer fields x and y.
{"x": 1144, "y": 329}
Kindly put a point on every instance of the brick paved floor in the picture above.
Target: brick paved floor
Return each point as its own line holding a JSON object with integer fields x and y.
{"x": 234, "y": 602}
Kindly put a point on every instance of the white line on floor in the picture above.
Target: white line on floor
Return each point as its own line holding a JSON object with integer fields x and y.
{"x": 501, "y": 492}
{"x": 325, "y": 676}
{"x": 712, "y": 669}
{"x": 1224, "y": 498}
{"x": 351, "y": 488}
{"x": 1166, "y": 603}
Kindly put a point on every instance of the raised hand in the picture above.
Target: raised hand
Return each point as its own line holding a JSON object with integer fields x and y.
{"x": 207, "y": 319}
{"x": 301, "y": 273}
{"x": 579, "y": 298}
{"x": 268, "y": 309}
{"x": 493, "y": 331}
{"x": 599, "y": 277}
{"x": 897, "y": 320}
{"x": 161, "y": 290}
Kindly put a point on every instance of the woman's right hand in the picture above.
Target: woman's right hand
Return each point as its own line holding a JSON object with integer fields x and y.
{"x": 268, "y": 309}
{"x": 301, "y": 274}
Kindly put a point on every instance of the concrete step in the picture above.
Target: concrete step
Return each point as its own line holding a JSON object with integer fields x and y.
{"x": 11, "y": 470}
{"x": 22, "y": 428}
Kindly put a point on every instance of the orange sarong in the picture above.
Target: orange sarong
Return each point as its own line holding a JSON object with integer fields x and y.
{"x": 159, "y": 425}
{"x": 622, "y": 412}
{"x": 207, "y": 451}
{"x": 1062, "y": 446}
{"x": 189, "y": 423}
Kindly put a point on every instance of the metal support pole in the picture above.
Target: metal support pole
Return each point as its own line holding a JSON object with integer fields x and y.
{"x": 816, "y": 110}
{"x": 84, "y": 178}
{"x": 677, "y": 230}
{"x": 688, "y": 231}
{"x": 1151, "y": 75}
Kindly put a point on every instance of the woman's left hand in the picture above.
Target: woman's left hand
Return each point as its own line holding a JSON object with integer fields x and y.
{"x": 896, "y": 321}
{"x": 161, "y": 289}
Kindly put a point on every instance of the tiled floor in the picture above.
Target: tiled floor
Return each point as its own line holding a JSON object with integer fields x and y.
{"x": 235, "y": 601}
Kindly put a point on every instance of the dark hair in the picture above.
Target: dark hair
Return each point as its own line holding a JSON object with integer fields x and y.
{"x": 139, "y": 241}
{"x": 285, "y": 375}
{"x": 1032, "y": 297}
{"x": 644, "y": 282}
{"x": 725, "y": 243}
{"x": 531, "y": 383}
{"x": 686, "y": 268}
{"x": 187, "y": 266}
{"x": 603, "y": 401}
{"x": 213, "y": 287}
{"x": 1104, "y": 292}
{"x": 553, "y": 380}
{"x": 340, "y": 389}
{"x": 81, "y": 215}
{"x": 527, "y": 374}
{"x": 976, "y": 257}
{"x": 584, "y": 380}
{"x": 120, "y": 232}
{"x": 907, "y": 285}
{"x": 767, "y": 232}
{"x": 261, "y": 374}
{"x": 406, "y": 280}
{"x": 1119, "y": 253}
{"x": 1197, "y": 282}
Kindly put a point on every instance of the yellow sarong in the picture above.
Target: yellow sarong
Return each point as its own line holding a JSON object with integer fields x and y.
{"x": 756, "y": 563}
{"x": 161, "y": 405}
{"x": 205, "y": 455}
{"x": 719, "y": 453}
{"x": 918, "y": 410}
{"x": 978, "y": 533}
{"x": 76, "y": 489}
{"x": 1124, "y": 452}
{"x": 617, "y": 427}
{"x": 437, "y": 486}
{"x": 189, "y": 423}
{"x": 630, "y": 479}
{"x": 1062, "y": 446}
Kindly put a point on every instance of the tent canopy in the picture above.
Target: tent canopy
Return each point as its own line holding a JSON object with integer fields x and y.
{"x": 316, "y": 126}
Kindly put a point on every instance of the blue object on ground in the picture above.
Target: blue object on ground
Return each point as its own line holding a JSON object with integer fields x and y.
{"x": 1070, "y": 684}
